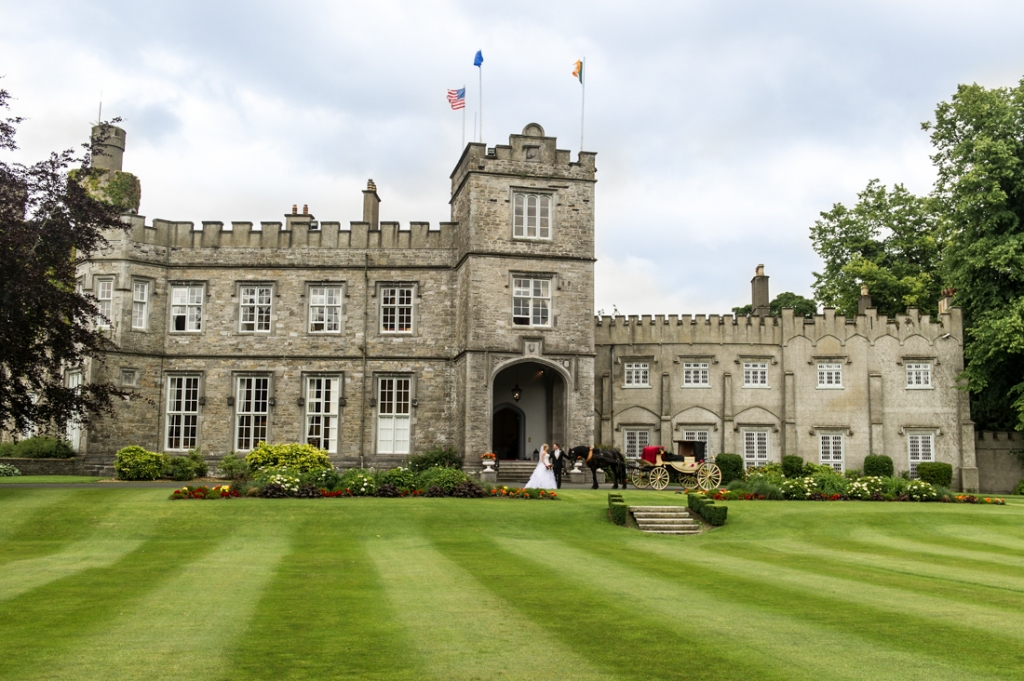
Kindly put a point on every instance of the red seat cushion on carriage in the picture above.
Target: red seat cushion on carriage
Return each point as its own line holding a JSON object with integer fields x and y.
{"x": 650, "y": 454}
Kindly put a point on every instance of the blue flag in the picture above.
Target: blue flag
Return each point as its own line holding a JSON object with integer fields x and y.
{"x": 479, "y": 58}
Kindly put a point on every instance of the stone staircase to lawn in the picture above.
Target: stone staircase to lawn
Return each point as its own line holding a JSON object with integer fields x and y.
{"x": 511, "y": 472}
{"x": 664, "y": 520}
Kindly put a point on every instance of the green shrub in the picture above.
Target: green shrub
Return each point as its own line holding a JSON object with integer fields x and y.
{"x": 878, "y": 466}
{"x": 445, "y": 478}
{"x": 402, "y": 478}
{"x": 8, "y": 471}
{"x": 830, "y": 482}
{"x": 617, "y": 509}
{"x": 731, "y": 466}
{"x": 136, "y": 463}
{"x": 188, "y": 467}
{"x": 300, "y": 457}
{"x": 935, "y": 473}
{"x": 853, "y": 474}
{"x": 706, "y": 509}
{"x": 771, "y": 472}
{"x": 274, "y": 482}
{"x": 865, "y": 488}
{"x": 232, "y": 467}
{"x": 39, "y": 448}
{"x": 1019, "y": 489}
{"x": 322, "y": 478}
{"x": 811, "y": 468}
{"x": 359, "y": 481}
{"x": 435, "y": 457}
{"x": 792, "y": 466}
{"x": 895, "y": 487}
{"x": 764, "y": 488}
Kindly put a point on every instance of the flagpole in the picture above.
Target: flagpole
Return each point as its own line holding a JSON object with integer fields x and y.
{"x": 463, "y": 119}
{"x": 481, "y": 67}
{"x": 583, "y": 99}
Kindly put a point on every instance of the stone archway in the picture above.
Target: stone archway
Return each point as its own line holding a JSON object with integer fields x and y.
{"x": 541, "y": 408}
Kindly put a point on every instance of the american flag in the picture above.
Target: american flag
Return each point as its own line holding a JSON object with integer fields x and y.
{"x": 457, "y": 98}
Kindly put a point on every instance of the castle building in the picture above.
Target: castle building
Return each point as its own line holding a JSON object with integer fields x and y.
{"x": 375, "y": 341}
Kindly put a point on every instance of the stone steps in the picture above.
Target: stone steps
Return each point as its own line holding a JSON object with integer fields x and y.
{"x": 664, "y": 520}
{"x": 515, "y": 471}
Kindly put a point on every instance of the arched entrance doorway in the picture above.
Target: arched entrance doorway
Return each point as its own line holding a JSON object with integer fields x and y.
{"x": 529, "y": 410}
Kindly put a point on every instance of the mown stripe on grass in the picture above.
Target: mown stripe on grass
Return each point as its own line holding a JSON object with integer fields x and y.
{"x": 958, "y": 553}
{"x": 21, "y": 506}
{"x": 460, "y": 629}
{"x": 184, "y": 628}
{"x": 25, "y": 575}
{"x": 782, "y": 643}
{"x": 997, "y": 537}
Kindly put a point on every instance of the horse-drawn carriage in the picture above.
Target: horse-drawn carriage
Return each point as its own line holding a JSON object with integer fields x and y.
{"x": 656, "y": 468}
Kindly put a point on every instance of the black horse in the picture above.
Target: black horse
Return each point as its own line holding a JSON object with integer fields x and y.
{"x": 611, "y": 460}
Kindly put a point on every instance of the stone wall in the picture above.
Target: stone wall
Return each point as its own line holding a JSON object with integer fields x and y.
{"x": 45, "y": 466}
{"x": 998, "y": 470}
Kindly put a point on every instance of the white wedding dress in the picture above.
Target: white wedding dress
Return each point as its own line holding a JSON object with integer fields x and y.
{"x": 543, "y": 477}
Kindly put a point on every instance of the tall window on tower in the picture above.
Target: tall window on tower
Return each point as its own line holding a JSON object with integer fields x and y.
{"x": 396, "y": 309}
{"x": 393, "y": 414}
{"x": 104, "y": 302}
{"x": 532, "y": 216}
{"x": 531, "y": 302}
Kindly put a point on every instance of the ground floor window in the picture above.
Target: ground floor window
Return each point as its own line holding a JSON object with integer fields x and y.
{"x": 182, "y": 412}
{"x": 74, "y": 427}
{"x": 394, "y": 414}
{"x": 830, "y": 450}
{"x": 252, "y": 408}
{"x": 755, "y": 448}
{"x": 322, "y": 412}
{"x": 635, "y": 440}
{"x": 697, "y": 435}
{"x": 921, "y": 449}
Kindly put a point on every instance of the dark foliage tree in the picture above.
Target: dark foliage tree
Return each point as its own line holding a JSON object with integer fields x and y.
{"x": 801, "y": 306}
{"x": 48, "y": 226}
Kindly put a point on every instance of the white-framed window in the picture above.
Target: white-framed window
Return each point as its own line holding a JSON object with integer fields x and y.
{"x": 920, "y": 449}
{"x": 696, "y": 375}
{"x": 394, "y": 414}
{"x": 252, "y": 409}
{"x": 638, "y": 374}
{"x": 74, "y": 427}
{"x": 325, "y": 309}
{"x": 182, "y": 412}
{"x": 755, "y": 374}
{"x": 635, "y": 439}
{"x": 830, "y": 375}
{"x": 531, "y": 216}
{"x": 254, "y": 308}
{"x": 830, "y": 450}
{"x": 755, "y": 448}
{"x": 919, "y": 375}
{"x": 104, "y": 302}
{"x": 531, "y": 302}
{"x": 322, "y": 412}
{"x": 186, "y": 308}
{"x": 140, "y": 305}
{"x": 700, "y": 435}
{"x": 396, "y": 309}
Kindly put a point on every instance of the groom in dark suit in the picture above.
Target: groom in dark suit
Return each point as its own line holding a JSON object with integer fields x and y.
{"x": 557, "y": 463}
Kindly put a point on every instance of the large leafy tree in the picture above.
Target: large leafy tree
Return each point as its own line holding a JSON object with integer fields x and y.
{"x": 978, "y": 137}
{"x": 48, "y": 226}
{"x": 890, "y": 241}
{"x": 801, "y": 306}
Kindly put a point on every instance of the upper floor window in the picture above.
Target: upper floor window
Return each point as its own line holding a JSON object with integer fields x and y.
{"x": 140, "y": 305}
{"x": 396, "y": 309}
{"x": 755, "y": 374}
{"x": 919, "y": 375}
{"x": 324, "y": 309}
{"x": 531, "y": 302}
{"x": 186, "y": 308}
{"x": 255, "y": 302}
{"x": 532, "y": 216}
{"x": 830, "y": 375}
{"x": 638, "y": 374}
{"x": 635, "y": 440}
{"x": 696, "y": 374}
{"x": 105, "y": 300}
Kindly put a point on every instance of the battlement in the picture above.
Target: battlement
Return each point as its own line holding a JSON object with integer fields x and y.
{"x": 727, "y": 328}
{"x": 296, "y": 231}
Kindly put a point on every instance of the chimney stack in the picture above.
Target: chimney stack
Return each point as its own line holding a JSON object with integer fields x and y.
{"x": 305, "y": 209}
{"x": 864, "y": 302}
{"x": 946, "y": 301}
{"x": 759, "y": 293}
{"x": 371, "y": 206}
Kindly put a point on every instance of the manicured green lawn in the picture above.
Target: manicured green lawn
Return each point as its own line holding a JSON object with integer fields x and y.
{"x": 123, "y": 584}
{"x": 37, "y": 479}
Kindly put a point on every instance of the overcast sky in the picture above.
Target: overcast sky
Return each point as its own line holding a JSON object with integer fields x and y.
{"x": 722, "y": 128}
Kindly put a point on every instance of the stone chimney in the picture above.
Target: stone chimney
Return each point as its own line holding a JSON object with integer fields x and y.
{"x": 371, "y": 206}
{"x": 864, "y": 302}
{"x": 946, "y": 301}
{"x": 107, "y": 150}
{"x": 759, "y": 293}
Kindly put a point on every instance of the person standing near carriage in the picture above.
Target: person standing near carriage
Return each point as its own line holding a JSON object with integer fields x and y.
{"x": 557, "y": 463}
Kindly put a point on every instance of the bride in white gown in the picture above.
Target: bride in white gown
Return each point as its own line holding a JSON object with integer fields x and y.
{"x": 543, "y": 476}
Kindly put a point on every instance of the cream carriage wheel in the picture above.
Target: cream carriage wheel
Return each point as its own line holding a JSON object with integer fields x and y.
{"x": 709, "y": 476}
{"x": 659, "y": 477}
{"x": 640, "y": 478}
{"x": 688, "y": 481}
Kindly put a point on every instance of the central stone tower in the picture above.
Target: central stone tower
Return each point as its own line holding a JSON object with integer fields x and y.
{"x": 524, "y": 331}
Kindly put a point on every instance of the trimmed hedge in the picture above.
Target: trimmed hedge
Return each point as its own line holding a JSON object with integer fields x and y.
{"x": 435, "y": 457}
{"x": 731, "y": 466}
{"x": 617, "y": 509}
{"x": 878, "y": 466}
{"x": 706, "y": 509}
{"x": 37, "y": 448}
{"x": 936, "y": 473}
{"x": 136, "y": 463}
{"x": 793, "y": 466}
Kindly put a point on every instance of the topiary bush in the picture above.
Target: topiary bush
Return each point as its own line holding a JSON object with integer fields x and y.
{"x": 37, "y": 448}
{"x": 878, "y": 466}
{"x": 135, "y": 463}
{"x": 299, "y": 457}
{"x": 792, "y": 466}
{"x": 731, "y": 466}
{"x": 445, "y": 478}
{"x": 617, "y": 509}
{"x": 8, "y": 471}
{"x": 935, "y": 473}
{"x": 1019, "y": 489}
{"x": 435, "y": 457}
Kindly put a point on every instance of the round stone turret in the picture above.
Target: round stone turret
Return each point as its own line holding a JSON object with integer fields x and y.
{"x": 107, "y": 149}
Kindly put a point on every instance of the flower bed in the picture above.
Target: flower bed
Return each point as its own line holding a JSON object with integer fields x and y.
{"x": 506, "y": 492}
{"x": 203, "y": 492}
